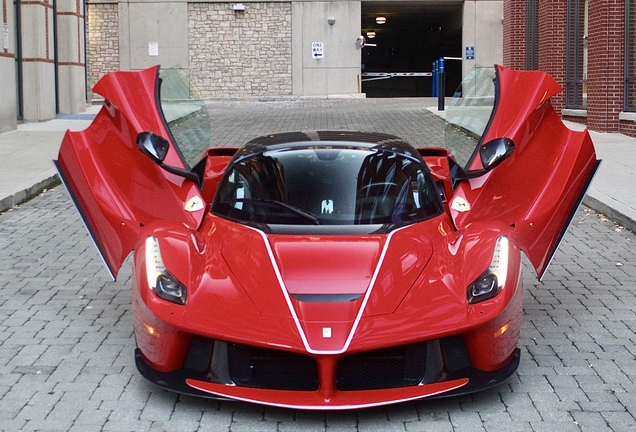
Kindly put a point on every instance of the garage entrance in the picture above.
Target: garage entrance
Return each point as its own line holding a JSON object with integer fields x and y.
{"x": 410, "y": 38}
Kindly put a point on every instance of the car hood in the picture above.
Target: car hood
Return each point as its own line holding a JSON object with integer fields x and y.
{"x": 328, "y": 282}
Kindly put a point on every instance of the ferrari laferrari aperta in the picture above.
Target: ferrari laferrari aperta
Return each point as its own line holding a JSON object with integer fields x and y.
{"x": 330, "y": 269}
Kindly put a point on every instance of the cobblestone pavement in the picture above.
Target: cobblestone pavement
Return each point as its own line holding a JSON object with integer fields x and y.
{"x": 66, "y": 338}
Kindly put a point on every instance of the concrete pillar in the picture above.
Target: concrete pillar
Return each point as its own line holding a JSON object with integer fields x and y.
{"x": 38, "y": 68}
{"x": 482, "y": 30}
{"x": 337, "y": 72}
{"x": 154, "y": 33}
{"x": 71, "y": 62}
{"x": 8, "y": 111}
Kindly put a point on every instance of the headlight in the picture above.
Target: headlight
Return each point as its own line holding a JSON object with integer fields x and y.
{"x": 490, "y": 282}
{"x": 160, "y": 280}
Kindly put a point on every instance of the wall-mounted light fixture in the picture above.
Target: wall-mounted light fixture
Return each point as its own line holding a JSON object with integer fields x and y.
{"x": 370, "y": 35}
{"x": 380, "y": 20}
{"x": 331, "y": 20}
{"x": 238, "y": 7}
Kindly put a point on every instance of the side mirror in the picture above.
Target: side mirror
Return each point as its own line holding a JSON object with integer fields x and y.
{"x": 153, "y": 146}
{"x": 495, "y": 152}
{"x": 491, "y": 154}
{"x": 156, "y": 148}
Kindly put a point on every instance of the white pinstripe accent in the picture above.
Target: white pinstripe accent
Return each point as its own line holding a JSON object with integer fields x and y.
{"x": 326, "y": 407}
{"x": 291, "y": 306}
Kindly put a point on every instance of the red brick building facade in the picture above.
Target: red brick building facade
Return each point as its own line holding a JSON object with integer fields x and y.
{"x": 589, "y": 46}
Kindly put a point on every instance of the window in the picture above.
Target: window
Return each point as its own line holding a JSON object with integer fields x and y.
{"x": 532, "y": 57}
{"x": 630, "y": 55}
{"x": 576, "y": 55}
{"x": 328, "y": 184}
{"x": 469, "y": 114}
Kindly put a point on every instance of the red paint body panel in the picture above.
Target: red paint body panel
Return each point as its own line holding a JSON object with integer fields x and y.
{"x": 117, "y": 189}
{"x": 493, "y": 343}
{"x": 537, "y": 188}
{"x": 431, "y": 306}
{"x": 135, "y": 96}
{"x": 284, "y": 292}
{"x": 332, "y": 265}
{"x": 214, "y": 168}
{"x": 440, "y": 169}
{"x": 520, "y": 94}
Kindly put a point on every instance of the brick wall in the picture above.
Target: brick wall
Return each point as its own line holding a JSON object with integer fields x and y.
{"x": 551, "y": 39}
{"x": 606, "y": 54}
{"x": 552, "y": 18}
{"x": 628, "y": 128}
{"x": 238, "y": 54}
{"x": 103, "y": 42}
{"x": 514, "y": 34}
{"x": 605, "y": 64}
{"x": 631, "y": 56}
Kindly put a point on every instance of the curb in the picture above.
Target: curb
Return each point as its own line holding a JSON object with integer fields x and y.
{"x": 51, "y": 179}
{"x": 10, "y": 201}
{"x": 612, "y": 214}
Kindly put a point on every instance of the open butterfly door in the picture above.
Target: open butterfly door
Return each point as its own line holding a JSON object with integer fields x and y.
{"x": 539, "y": 183}
{"x": 116, "y": 188}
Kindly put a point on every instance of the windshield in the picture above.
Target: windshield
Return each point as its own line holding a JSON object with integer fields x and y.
{"x": 469, "y": 113}
{"x": 328, "y": 185}
{"x": 186, "y": 114}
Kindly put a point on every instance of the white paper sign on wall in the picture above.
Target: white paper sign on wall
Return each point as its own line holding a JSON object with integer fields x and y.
{"x": 153, "y": 49}
{"x": 5, "y": 36}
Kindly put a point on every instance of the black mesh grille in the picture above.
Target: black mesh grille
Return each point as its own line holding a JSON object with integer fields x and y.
{"x": 271, "y": 369}
{"x": 400, "y": 366}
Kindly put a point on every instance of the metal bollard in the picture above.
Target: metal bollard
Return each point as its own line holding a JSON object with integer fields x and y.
{"x": 434, "y": 80}
{"x": 441, "y": 85}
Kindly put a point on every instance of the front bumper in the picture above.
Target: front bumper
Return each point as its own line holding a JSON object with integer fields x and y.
{"x": 221, "y": 370}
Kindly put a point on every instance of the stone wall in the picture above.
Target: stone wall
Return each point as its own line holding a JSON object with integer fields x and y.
{"x": 240, "y": 54}
{"x": 103, "y": 42}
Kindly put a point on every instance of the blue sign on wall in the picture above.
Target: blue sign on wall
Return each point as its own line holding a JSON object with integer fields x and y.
{"x": 470, "y": 53}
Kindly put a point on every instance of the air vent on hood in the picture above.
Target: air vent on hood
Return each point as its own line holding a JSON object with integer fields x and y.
{"x": 327, "y": 298}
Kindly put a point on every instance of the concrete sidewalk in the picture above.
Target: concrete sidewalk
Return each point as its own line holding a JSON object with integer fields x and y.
{"x": 26, "y": 168}
{"x": 613, "y": 191}
{"x": 26, "y": 155}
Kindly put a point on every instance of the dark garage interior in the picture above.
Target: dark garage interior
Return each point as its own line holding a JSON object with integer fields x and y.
{"x": 414, "y": 35}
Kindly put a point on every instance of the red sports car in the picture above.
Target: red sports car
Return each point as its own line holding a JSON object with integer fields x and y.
{"x": 330, "y": 270}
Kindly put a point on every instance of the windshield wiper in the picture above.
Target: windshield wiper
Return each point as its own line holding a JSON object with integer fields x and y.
{"x": 275, "y": 203}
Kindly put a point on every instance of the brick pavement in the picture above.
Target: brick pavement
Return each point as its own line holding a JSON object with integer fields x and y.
{"x": 66, "y": 340}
